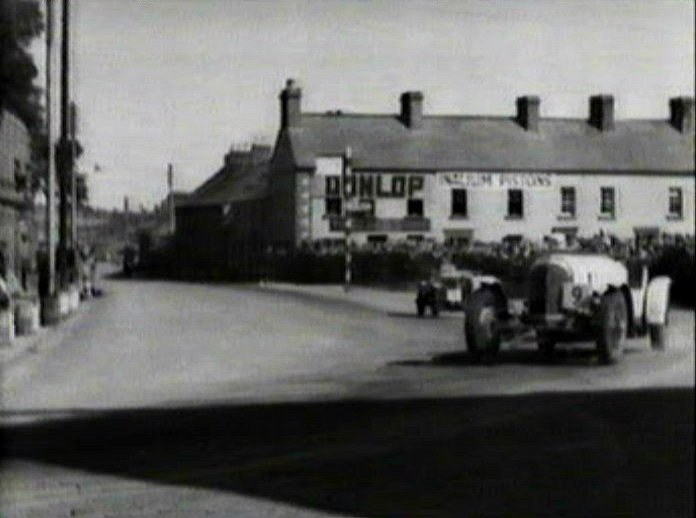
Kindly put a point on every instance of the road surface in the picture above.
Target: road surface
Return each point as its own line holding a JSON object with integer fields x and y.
{"x": 174, "y": 399}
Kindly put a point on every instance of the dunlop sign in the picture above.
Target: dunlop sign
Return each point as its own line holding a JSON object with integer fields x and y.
{"x": 366, "y": 185}
{"x": 497, "y": 180}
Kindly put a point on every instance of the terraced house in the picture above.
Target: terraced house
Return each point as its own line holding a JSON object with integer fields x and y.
{"x": 454, "y": 179}
{"x": 460, "y": 178}
{"x": 17, "y": 237}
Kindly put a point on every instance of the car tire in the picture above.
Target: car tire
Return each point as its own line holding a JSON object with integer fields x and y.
{"x": 482, "y": 325}
{"x": 613, "y": 327}
{"x": 658, "y": 336}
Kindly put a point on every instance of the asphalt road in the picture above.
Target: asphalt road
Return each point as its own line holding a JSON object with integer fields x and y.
{"x": 165, "y": 399}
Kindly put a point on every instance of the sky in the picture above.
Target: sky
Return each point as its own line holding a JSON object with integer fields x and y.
{"x": 182, "y": 81}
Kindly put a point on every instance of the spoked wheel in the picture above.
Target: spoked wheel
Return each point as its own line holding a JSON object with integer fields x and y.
{"x": 482, "y": 325}
{"x": 613, "y": 327}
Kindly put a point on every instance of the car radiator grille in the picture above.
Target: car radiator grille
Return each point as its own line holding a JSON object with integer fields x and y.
{"x": 545, "y": 289}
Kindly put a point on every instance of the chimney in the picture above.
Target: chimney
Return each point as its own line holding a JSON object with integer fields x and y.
{"x": 682, "y": 114}
{"x": 602, "y": 112}
{"x": 412, "y": 109}
{"x": 290, "y": 105}
{"x": 528, "y": 112}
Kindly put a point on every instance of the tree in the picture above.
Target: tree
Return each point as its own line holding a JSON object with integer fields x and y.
{"x": 20, "y": 22}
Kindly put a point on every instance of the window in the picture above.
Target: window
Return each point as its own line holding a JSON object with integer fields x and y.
{"x": 333, "y": 206}
{"x": 568, "y": 201}
{"x": 459, "y": 202}
{"x": 415, "y": 208}
{"x": 19, "y": 178}
{"x": 676, "y": 202}
{"x": 607, "y": 206}
{"x": 515, "y": 204}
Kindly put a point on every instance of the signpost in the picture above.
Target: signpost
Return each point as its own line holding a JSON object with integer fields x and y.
{"x": 347, "y": 195}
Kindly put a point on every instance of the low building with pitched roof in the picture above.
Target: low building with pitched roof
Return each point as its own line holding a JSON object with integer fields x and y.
{"x": 224, "y": 220}
{"x": 460, "y": 178}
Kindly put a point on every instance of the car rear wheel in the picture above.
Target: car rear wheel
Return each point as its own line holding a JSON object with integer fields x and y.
{"x": 613, "y": 327}
{"x": 482, "y": 325}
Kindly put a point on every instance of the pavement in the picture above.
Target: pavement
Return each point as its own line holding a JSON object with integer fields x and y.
{"x": 45, "y": 338}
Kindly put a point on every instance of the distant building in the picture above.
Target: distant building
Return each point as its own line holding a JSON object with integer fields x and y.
{"x": 17, "y": 234}
{"x": 461, "y": 178}
{"x": 226, "y": 217}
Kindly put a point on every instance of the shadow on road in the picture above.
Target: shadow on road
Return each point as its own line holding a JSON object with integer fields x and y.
{"x": 627, "y": 453}
{"x": 563, "y": 357}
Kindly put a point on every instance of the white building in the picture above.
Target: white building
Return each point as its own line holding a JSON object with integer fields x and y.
{"x": 464, "y": 178}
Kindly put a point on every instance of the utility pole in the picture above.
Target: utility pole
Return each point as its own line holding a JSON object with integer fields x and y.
{"x": 65, "y": 172}
{"x": 347, "y": 177}
{"x": 51, "y": 180}
{"x": 170, "y": 199}
{"x": 73, "y": 179}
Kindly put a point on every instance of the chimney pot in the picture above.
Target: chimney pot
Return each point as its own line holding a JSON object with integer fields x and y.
{"x": 290, "y": 105}
{"x": 602, "y": 112}
{"x": 412, "y": 109}
{"x": 528, "y": 112}
{"x": 682, "y": 114}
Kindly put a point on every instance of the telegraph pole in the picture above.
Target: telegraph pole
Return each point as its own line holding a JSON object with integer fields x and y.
{"x": 73, "y": 180}
{"x": 347, "y": 175}
{"x": 65, "y": 172}
{"x": 51, "y": 180}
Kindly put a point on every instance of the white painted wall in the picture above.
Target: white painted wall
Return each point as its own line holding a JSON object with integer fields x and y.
{"x": 641, "y": 201}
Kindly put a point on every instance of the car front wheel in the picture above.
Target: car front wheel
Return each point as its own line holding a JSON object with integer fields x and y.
{"x": 612, "y": 328}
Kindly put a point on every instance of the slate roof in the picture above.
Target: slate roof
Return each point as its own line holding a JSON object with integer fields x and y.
{"x": 237, "y": 181}
{"x": 492, "y": 143}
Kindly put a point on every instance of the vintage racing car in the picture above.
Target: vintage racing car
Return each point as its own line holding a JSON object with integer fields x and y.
{"x": 450, "y": 290}
{"x": 572, "y": 295}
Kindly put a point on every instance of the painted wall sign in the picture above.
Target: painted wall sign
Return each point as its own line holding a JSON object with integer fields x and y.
{"x": 497, "y": 180}
{"x": 365, "y": 185}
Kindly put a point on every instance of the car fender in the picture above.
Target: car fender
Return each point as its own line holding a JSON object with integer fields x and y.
{"x": 657, "y": 300}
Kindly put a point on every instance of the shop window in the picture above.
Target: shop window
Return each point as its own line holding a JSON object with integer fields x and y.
{"x": 515, "y": 204}
{"x": 415, "y": 208}
{"x": 459, "y": 205}
{"x": 568, "y": 201}
{"x": 676, "y": 203}
{"x": 607, "y": 203}
{"x": 333, "y": 206}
